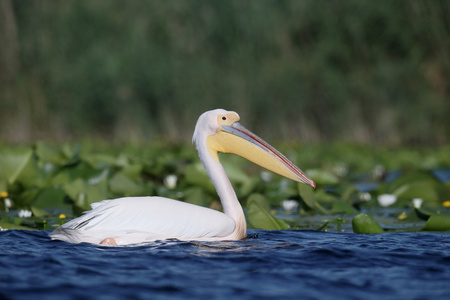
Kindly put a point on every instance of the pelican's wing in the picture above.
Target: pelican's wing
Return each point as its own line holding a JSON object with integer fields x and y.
{"x": 139, "y": 219}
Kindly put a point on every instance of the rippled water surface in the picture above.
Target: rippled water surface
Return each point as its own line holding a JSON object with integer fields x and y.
{"x": 271, "y": 264}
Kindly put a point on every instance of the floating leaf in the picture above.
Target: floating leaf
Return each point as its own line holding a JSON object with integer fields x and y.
{"x": 260, "y": 199}
{"x": 310, "y": 197}
{"x": 84, "y": 194}
{"x": 196, "y": 175}
{"x": 27, "y": 197}
{"x": 408, "y": 179}
{"x": 120, "y": 184}
{"x": 422, "y": 214}
{"x": 3, "y": 185}
{"x": 260, "y": 218}
{"x": 234, "y": 169}
{"x": 197, "y": 196}
{"x": 49, "y": 154}
{"x": 5, "y": 226}
{"x": 425, "y": 190}
{"x": 321, "y": 177}
{"x": 133, "y": 171}
{"x": 343, "y": 207}
{"x": 251, "y": 185}
{"x": 12, "y": 163}
{"x": 50, "y": 197}
{"x": 437, "y": 223}
{"x": 39, "y": 213}
{"x": 364, "y": 223}
{"x": 307, "y": 194}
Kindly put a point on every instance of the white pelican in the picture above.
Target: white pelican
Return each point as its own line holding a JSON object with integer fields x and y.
{"x": 133, "y": 220}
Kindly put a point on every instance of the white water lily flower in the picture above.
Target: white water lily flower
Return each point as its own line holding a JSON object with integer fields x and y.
{"x": 289, "y": 205}
{"x": 387, "y": 199}
{"x": 365, "y": 196}
{"x": 266, "y": 176}
{"x": 8, "y": 202}
{"x": 171, "y": 181}
{"x": 417, "y": 202}
{"x": 23, "y": 213}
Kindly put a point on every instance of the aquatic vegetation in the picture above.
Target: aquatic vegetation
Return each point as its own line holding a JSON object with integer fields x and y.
{"x": 43, "y": 185}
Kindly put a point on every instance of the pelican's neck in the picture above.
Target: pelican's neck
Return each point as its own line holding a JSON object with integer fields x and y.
{"x": 228, "y": 198}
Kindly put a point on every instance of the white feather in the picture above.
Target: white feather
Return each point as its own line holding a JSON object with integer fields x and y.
{"x": 139, "y": 219}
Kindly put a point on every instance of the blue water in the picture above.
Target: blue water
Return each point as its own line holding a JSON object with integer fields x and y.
{"x": 271, "y": 264}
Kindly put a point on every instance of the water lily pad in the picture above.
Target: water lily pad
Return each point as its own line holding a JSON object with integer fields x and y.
{"x": 312, "y": 197}
{"x": 260, "y": 199}
{"x": 133, "y": 171}
{"x": 251, "y": 185}
{"x": 343, "y": 207}
{"x": 50, "y": 154}
{"x": 196, "y": 175}
{"x": 322, "y": 177}
{"x": 50, "y": 197}
{"x": 122, "y": 185}
{"x": 13, "y": 161}
{"x": 39, "y": 213}
{"x": 84, "y": 194}
{"x": 307, "y": 194}
{"x": 364, "y": 223}
{"x": 5, "y": 226}
{"x": 197, "y": 196}
{"x": 258, "y": 217}
{"x": 422, "y": 214}
{"x": 437, "y": 223}
{"x": 425, "y": 190}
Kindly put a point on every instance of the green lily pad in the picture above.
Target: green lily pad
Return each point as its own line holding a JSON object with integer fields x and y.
{"x": 307, "y": 194}
{"x": 120, "y": 184}
{"x": 437, "y": 223}
{"x": 39, "y": 213}
{"x": 408, "y": 179}
{"x": 364, "y": 223}
{"x": 321, "y": 177}
{"x": 311, "y": 197}
{"x": 197, "y": 196}
{"x": 343, "y": 207}
{"x": 260, "y": 199}
{"x": 49, "y": 154}
{"x": 251, "y": 185}
{"x": 234, "y": 169}
{"x": 50, "y": 197}
{"x": 260, "y": 218}
{"x": 425, "y": 190}
{"x": 133, "y": 171}
{"x": 12, "y": 163}
{"x": 84, "y": 194}
{"x": 3, "y": 185}
{"x": 27, "y": 197}
{"x": 6, "y": 226}
{"x": 422, "y": 214}
{"x": 196, "y": 175}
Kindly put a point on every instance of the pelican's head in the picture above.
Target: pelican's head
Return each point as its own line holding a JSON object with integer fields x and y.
{"x": 223, "y": 133}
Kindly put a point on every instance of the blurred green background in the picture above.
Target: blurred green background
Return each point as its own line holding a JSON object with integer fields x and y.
{"x": 372, "y": 72}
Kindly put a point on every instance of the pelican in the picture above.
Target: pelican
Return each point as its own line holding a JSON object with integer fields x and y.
{"x": 132, "y": 220}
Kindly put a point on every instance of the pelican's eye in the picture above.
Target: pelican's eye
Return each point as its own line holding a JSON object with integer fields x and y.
{"x": 224, "y": 118}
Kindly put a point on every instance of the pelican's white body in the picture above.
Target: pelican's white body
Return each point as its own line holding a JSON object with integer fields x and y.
{"x": 134, "y": 220}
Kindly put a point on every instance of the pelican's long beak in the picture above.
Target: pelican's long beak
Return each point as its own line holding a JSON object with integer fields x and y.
{"x": 236, "y": 139}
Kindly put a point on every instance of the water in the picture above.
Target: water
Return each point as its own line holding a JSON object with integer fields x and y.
{"x": 271, "y": 264}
